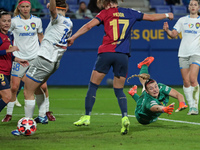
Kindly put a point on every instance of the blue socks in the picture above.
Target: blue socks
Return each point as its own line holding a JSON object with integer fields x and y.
{"x": 2, "y": 105}
{"x": 122, "y": 101}
{"x": 90, "y": 98}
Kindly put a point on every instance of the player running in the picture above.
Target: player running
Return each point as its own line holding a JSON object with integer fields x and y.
{"x": 51, "y": 50}
{"x": 155, "y": 96}
{"x": 114, "y": 52}
{"x": 27, "y": 30}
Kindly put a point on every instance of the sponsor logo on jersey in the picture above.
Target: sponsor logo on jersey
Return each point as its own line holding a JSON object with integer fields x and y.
{"x": 190, "y": 25}
{"x": 33, "y": 25}
{"x": 26, "y": 27}
{"x": 190, "y": 31}
{"x": 3, "y": 83}
{"x": 27, "y": 34}
{"x": 197, "y": 25}
{"x": 19, "y": 25}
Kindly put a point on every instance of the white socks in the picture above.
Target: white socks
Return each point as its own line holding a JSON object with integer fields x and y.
{"x": 10, "y": 107}
{"x": 188, "y": 95}
{"x": 196, "y": 96}
{"x": 29, "y": 108}
{"x": 47, "y": 103}
{"x": 192, "y": 95}
{"x": 40, "y": 99}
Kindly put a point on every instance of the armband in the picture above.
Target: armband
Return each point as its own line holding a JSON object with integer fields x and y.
{"x": 2, "y": 52}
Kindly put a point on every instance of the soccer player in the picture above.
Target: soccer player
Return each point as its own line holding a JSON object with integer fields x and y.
{"x": 155, "y": 96}
{"x": 6, "y": 57}
{"x": 27, "y": 30}
{"x": 51, "y": 50}
{"x": 189, "y": 53}
{"x": 114, "y": 52}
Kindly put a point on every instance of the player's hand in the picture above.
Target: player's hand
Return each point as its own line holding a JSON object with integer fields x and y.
{"x": 168, "y": 109}
{"x": 171, "y": 16}
{"x": 70, "y": 42}
{"x": 165, "y": 26}
{"x": 12, "y": 49}
{"x": 22, "y": 62}
{"x": 182, "y": 106}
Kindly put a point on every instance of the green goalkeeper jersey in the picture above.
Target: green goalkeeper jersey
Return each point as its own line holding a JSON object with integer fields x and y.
{"x": 146, "y": 101}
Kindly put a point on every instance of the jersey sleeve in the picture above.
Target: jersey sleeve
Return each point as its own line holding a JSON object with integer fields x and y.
{"x": 164, "y": 88}
{"x": 137, "y": 14}
{"x": 100, "y": 16}
{"x": 2, "y": 51}
{"x": 151, "y": 104}
{"x": 177, "y": 26}
{"x": 40, "y": 29}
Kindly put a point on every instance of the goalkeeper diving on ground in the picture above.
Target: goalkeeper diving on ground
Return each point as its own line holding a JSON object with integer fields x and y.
{"x": 155, "y": 96}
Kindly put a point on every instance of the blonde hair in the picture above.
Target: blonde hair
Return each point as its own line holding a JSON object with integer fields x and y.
{"x": 16, "y": 11}
{"x": 143, "y": 76}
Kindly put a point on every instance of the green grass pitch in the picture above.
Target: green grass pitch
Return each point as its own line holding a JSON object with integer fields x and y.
{"x": 175, "y": 132}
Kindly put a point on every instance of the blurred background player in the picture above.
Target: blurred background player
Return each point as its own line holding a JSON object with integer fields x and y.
{"x": 50, "y": 53}
{"x": 189, "y": 53}
{"x": 155, "y": 96}
{"x": 114, "y": 51}
{"x": 27, "y": 30}
{"x": 6, "y": 57}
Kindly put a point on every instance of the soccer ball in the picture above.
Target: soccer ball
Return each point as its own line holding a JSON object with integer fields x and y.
{"x": 26, "y": 126}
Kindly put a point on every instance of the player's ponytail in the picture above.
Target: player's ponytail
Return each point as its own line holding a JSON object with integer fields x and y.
{"x": 143, "y": 76}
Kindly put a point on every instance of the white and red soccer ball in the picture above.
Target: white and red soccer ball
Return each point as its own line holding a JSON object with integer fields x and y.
{"x": 26, "y": 126}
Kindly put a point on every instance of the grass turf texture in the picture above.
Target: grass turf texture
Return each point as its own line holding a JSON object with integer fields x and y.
{"x": 104, "y": 130}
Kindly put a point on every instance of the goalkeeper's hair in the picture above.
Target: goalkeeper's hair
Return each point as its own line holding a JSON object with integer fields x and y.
{"x": 149, "y": 81}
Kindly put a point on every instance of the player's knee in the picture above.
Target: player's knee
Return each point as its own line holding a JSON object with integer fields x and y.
{"x": 14, "y": 88}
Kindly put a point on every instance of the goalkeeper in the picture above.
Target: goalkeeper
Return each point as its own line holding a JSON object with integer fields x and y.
{"x": 155, "y": 96}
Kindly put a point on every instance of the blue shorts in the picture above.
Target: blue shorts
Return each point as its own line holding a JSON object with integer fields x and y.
{"x": 4, "y": 82}
{"x": 118, "y": 61}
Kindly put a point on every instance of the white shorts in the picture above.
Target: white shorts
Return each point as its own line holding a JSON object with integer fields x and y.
{"x": 18, "y": 70}
{"x": 41, "y": 69}
{"x": 185, "y": 62}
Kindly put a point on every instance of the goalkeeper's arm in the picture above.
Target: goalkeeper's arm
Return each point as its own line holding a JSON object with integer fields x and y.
{"x": 162, "y": 109}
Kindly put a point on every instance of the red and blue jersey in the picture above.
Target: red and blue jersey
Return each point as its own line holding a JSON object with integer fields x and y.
{"x": 6, "y": 41}
{"x": 118, "y": 23}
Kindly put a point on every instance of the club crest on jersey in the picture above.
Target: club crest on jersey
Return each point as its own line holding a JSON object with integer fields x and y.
{"x": 33, "y": 25}
{"x": 3, "y": 83}
{"x": 26, "y": 27}
{"x": 197, "y": 25}
{"x": 190, "y": 25}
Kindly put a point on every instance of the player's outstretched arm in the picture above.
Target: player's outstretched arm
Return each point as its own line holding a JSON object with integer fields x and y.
{"x": 85, "y": 28}
{"x": 175, "y": 94}
{"x": 161, "y": 109}
{"x": 52, "y": 8}
{"x": 157, "y": 17}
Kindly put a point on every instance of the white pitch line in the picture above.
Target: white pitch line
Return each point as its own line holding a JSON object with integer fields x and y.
{"x": 112, "y": 114}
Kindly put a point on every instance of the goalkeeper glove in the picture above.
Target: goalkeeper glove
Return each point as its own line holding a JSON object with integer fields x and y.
{"x": 168, "y": 109}
{"x": 182, "y": 106}
{"x": 133, "y": 90}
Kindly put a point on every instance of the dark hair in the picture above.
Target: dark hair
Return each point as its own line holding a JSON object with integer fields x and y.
{"x": 61, "y": 3}
{"x": 148, "y": 82}
{"x": 2, "y": 12}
